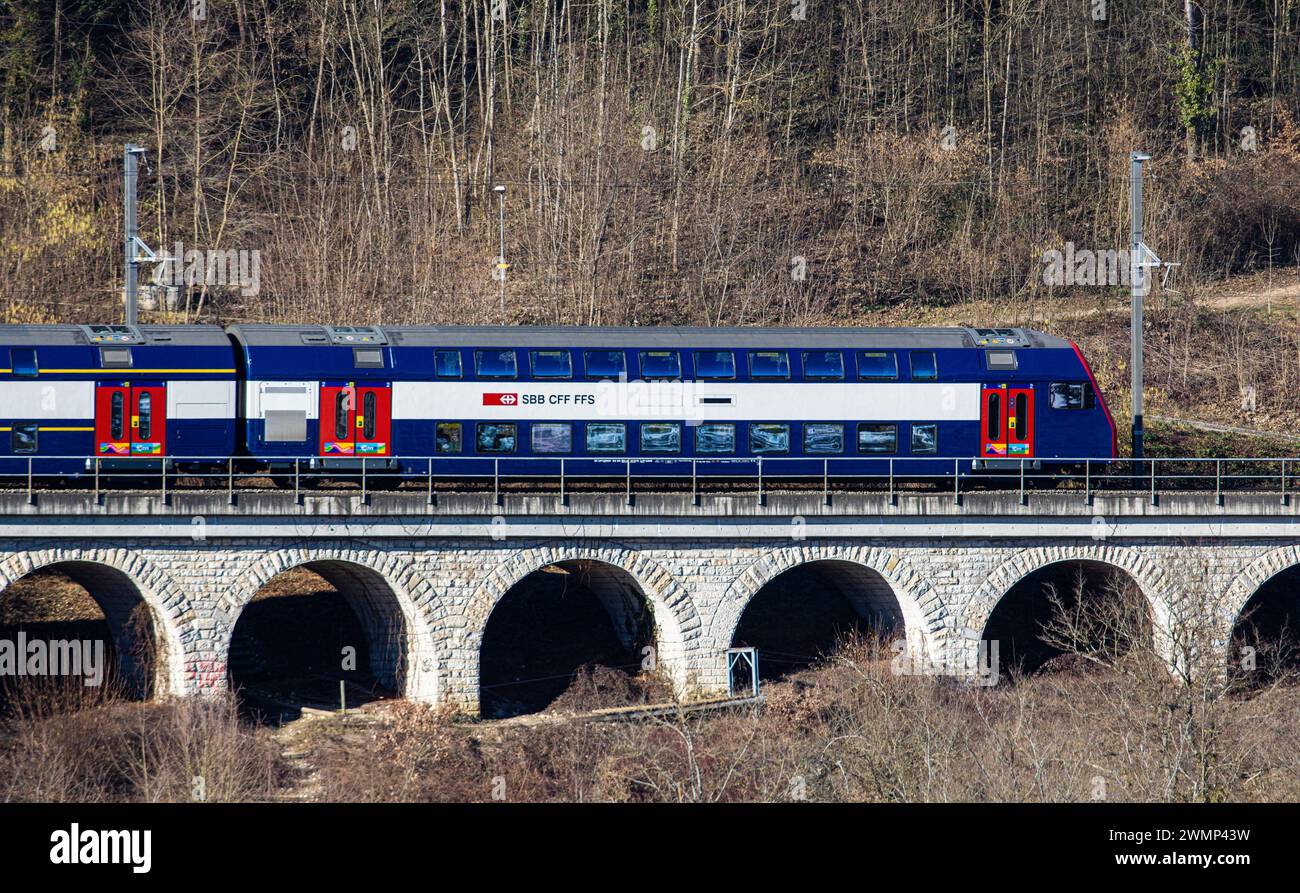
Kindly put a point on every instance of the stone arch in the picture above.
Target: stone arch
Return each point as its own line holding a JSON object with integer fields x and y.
{"x": 119, "y": 580}
{"x": 677, "y": 625}
{"x": 1145, "y": 572}
{"x": 1244, "y": 586}
{"x": 923, "y": 611}
{"x": 1254, "y": 579}
{"x": 391, "y": 600}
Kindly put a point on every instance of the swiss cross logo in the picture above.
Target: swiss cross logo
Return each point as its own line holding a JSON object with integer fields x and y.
{"x": 500, "y": 399}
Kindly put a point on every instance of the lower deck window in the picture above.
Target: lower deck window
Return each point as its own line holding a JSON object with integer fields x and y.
{"x": 769, "y": 437}
{"x": 606, "y": 437}
{"x": 823, "y": 437}
{"x": 496, "y": 437}
{"x": 877, "y": 438}
{"x": 22, "y": 438}
{"x": 447, "y": 437}
{"x": 715, "y": 437}
{"x": 925, "y": 438}
{"x": 661, "y": 437}
{"x": 552, "y": 437}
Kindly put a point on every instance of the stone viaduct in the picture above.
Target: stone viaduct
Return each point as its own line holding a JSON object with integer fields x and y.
{"x": 424, "y": 575}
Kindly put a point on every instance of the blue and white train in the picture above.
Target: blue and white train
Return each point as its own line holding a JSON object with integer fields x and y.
{"x": 473, "y": 400}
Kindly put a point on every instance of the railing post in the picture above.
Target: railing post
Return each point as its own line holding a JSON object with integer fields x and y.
{"x": 762, "y": 499}
{"x": 1154, "y": 501}
{"x": 695, "y": 493}
{"x": 97, "y": 480}
{"x": 1284, "y": 482}
{"x": 826, "y": 482}
{"x": 893, "y": 499}
{"x": 496, "y": 481}
{"x": 1023, "y": 501}
{"x": 230, "y": 480}
{"x": 31, "y": 497}
{"x": 627, "y": 463}
{"x": 1218, "y": 482}
{"x": 429, "y": 478}
{"x": 365, "y": 495}
{"x": 564, "y": 499}
{"x": 1087, "y": 482}
{"x": 956, "y": 483}
{"x": 164, "y": 482}
{"x": 297, "y": 484}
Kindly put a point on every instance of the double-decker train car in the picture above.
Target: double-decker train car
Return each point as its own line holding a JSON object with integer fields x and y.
{"x": 457, "y": 401}
{"x": 76, "y": 397}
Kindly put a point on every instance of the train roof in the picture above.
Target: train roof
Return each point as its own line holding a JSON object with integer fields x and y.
{"x": 258, "y": 335}
{"x": 112, "y": 334}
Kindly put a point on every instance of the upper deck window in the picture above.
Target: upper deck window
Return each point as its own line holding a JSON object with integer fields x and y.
{"x": 715, "y": 364}
{"x": 495, "y": 364}
{"x": 660, "y": 364}
{"x": 769, "y": 364}
{"x": 552, "y": 364}
{"x": 115, "y": 357}
{"x": 823, "y": 365}
{"x": 446, "y": 363}
{"x": 23, "y": 361}
{"x": 605, "y": 363}
{"x": 924, "y": 366}
{"x": 877, "y": 365}
{"x": 368, "y": 357}
{"x": 1000, "y": 360}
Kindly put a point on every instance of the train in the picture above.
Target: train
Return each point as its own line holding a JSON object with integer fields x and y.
{"x": 470, "y": 401}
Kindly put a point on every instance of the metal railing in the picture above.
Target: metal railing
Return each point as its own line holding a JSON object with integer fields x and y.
{"x": 756, "y": 476}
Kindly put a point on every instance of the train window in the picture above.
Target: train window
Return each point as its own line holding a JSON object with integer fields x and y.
{"x": 342, "y": 403}
{"x": 117, "y": 415}
{"x": 368, "y": 357}
{"x": 924, "y": 366}
{"x": 877, "y": 365}
{"x": 368, "y": 416}
{"x": 995, "y": 416}
{"x": 23, "y": 438}
{"x": 446, "y": 363}
{"x": 552, "y": 364}
{"x": 715, "y": 437}
{"x": 823, "y": 437}
{"x": 447, "y": 437}
{"x": 769, "y": 437}
{"x": 23, "y": 361}
{"x": 660, "y": 364}
{"x": 925, "y": 438}
{"x": 495, "y": 364}
{"x": 552, "y": 437}
{"x": 715, "y": 364}
{"x": 1019, "y": 428}
{"x": 606, "y": 437}
{"x": 769, "y": 364}
{"x": 115, "y": 357}
{"x": 1000, "y": 360}
{"x": 877, "y": 438}
{"x": 496, "y": 437}
{"x": 605, "y": 363}
{"x": 1070, "y": 395}
{"x": 661, "y": 437}
{"x": 145, "y": 428}
{"x": 823, "y": 365}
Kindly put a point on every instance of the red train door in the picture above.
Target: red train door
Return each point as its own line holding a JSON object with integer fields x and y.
{"x": 993, "y": 421}
{"x": 1020, "y": 422}
{"x": 130, "y": 420}
{"x": 356, "y": 420}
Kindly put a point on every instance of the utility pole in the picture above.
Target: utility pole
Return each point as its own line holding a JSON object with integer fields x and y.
{"x": 501, "y": 258}
{"x": 134, "y": 250}
{"x": 1138, "y": 286}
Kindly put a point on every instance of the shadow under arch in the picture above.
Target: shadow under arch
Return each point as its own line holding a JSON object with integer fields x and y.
{"x": 1268, "y": 624}
{"x": 799, "y": 615}
{"x": 568, "y": 614}
{"x": 309, "y": 622}
{"x": 131, "y": 632}
{"x": 1082, "y": 605}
